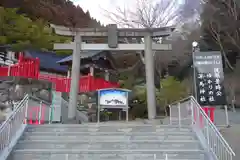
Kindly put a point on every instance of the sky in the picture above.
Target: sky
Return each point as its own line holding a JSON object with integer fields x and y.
{"x": 97, "y": 8}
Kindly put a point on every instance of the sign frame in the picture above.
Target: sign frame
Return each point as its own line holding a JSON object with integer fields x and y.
{"x": 205, "y": 64}
{"x": 123, "y": 107}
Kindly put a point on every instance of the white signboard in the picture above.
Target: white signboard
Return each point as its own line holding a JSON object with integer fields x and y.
{"x": 113, "y": 97}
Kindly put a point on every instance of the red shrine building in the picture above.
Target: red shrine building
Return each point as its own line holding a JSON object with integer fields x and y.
{"x": 97, "y": 69}
{"x": 94, "y": 63}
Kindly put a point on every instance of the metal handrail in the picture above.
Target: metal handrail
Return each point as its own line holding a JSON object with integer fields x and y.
{"x": 182, "y": 100}
{"x": 12, "y": 128}
{"x": 214, "y": 127}
{"x": 210, "y": 124}
{"x": 40, "y": 100}
{"x": 14, "y": 112}
{"x": 47, "y": 105}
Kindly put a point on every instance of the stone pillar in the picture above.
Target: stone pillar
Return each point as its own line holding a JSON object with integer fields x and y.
{"x": 149, "y": 69}
{"x": 91, "y": 71}
{"x": 72, "y": 109}
{"x": 106, "y": 75}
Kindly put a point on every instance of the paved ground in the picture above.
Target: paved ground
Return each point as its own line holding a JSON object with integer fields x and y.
{"x": 232, "y": 134}
{"x": 220, "y": 117}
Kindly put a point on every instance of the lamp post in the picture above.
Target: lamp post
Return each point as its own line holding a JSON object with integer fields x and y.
{"x": 195, "y": 48}
{"x": 194, "y": 44}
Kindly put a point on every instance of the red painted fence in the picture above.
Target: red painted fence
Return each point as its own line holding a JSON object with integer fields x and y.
{"x": 29, "y": 68}
{"x": 208, "y": 110}
{"x": 3, "y": 71}
{"x": 86, "y": 83}
{"x": 26, "y": 69}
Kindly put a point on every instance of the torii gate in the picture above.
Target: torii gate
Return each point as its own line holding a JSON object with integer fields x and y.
{"x": 113, "y": 33}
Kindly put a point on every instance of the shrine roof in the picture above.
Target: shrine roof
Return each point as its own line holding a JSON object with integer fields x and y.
{"x": 48, "y": 60}
{"x": 84, "y": 54}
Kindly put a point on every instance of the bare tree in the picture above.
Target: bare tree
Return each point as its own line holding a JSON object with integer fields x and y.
{"x": 231, "y": 14}
{"x": 231, "y": 86}
{"x": 223, "y": 24}
{"x": 215, "y": 30}
{"x": 221, "y": 21}
{"x": 154, "y": 13}
{"x": 190, "y": 11}
{"x": 146, "y": 14}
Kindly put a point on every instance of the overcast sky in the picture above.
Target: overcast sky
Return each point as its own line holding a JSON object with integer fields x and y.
{"x": 97, "y": 7}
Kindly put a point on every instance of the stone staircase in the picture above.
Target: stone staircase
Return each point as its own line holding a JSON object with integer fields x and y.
{"x": 108, "y": 141}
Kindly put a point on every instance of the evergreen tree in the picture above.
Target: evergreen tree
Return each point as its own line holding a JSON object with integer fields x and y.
{"x": 21, "y": 32}
{"x": 61, "y": 12}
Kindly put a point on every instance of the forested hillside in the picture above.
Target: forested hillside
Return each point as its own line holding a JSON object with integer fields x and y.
{"x": 62, "y": 12}
{"x": 31, "y": 18}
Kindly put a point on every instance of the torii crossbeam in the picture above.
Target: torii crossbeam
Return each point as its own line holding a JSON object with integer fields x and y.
{"x": 113, "y": 33}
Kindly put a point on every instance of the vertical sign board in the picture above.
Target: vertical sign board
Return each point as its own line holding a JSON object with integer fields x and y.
{"x": 110, "y": 98}
{"x": 209, "y": 78}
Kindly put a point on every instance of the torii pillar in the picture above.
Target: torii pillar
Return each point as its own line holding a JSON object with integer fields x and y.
{"x": 113, "y": 33}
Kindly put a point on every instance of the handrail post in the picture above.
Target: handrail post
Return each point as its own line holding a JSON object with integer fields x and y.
{"x": 9, "y": 134}
{"x": 166, "y": 157}
{"x": 98, "y": 115}
{"x": 170, "y": 114}
{"x": 226, "y": 114}
{"x": 198, "y": 118}
{"x": 192, "y": 111}
{"x": 179, "y": 114}
{"x": 50, "y": 114}
{"x": 208, "y": 136}
{"x": 26, "y": 111}
{"x": 40, "y": 113}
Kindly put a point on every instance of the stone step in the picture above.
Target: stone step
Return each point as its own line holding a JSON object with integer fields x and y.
{"x": 107, "y": 141}
{"x": 163, "y": 133}
{"x": 106, "y": 155}
{"x": 115, "y": 124}
{"x": 106, "y": 129}
{"x": 85, "y": 146}
{"x": 105, "y": 138}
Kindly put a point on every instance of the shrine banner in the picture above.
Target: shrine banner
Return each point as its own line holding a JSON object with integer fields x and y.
{"x": 209, "y": 78}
